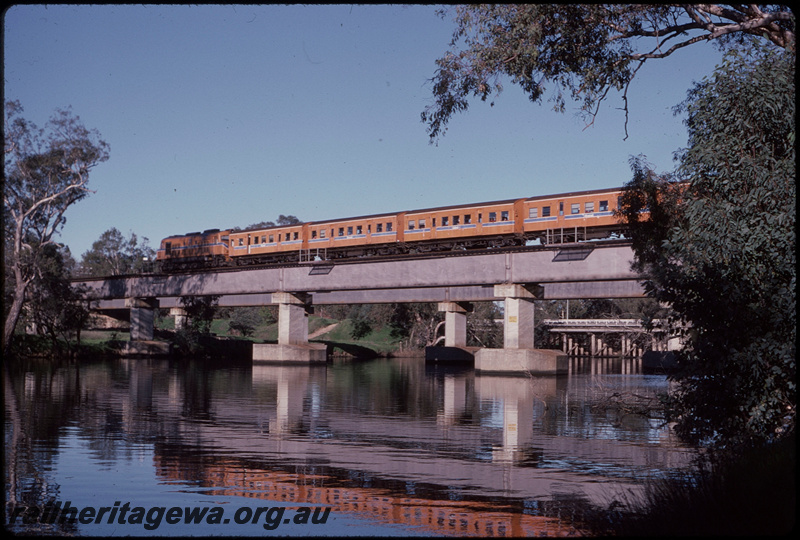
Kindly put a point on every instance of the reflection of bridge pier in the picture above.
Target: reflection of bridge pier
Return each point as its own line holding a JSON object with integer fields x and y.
{"x": 522, "y": 398}
{"x": 291, "y": 384}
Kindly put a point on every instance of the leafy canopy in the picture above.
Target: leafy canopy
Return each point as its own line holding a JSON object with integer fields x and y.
{"x": 583, "y": 50}
{"x": 719, "y": 247}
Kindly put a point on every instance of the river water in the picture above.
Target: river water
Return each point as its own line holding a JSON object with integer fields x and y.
{"x": 379, "y": 447}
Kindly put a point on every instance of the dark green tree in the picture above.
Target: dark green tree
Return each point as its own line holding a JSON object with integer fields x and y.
{"x": 45, "y": 172}
{"x": 56, "y": 309}
{"x": 200, "y": 312}
{"x": 584, "y": 51}
{"x": 113, "y": 254}
{"x": 719, "y": 247}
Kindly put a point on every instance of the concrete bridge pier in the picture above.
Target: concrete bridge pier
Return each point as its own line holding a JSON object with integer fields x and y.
{"x": 455, "y": 335}
{"x": 180, "y": 316}
{"x": 293, "y": 346}
{"x": 143, "y": 316}
{"x": 518, "y": 354}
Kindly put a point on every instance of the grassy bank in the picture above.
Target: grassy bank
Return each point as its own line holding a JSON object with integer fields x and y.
{"x": 751, "y": 492}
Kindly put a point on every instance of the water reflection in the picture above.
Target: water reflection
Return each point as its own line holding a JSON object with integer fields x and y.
{"x": 436, "y": 451}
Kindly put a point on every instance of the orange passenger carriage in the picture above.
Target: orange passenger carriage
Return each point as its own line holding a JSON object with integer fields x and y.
{"x": 575, "y": 216}
{"x": 254, "y": 246}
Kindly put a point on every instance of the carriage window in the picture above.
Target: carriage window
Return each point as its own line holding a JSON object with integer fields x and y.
{"x": 504, "y": 215}
{"x": 264, "y": 239}
{"x": 322, "y": 233}
{"x": 410, "y": 224}
{"x": 467, "y": 219}
{"x": 359, "y": 229}
{"x": 492, "y": 217}
{"x": 445, "y": 221}
{"x": 288, "y": 236}
{"x": 349, "y": 231}
{"x": 561, "y": 209}
{"x": 533, "y": 212}
{"x": 588, "y": 207}
{"x": 296, "y": 235}
{"x": 545, "y": 211}
{"x": 422, "y": 224}
{"x": 433, "y": 222}
{"x": 341, "y": 231}
{"x": 379, "y": 227}
{"x": 604, "y": 206}
{"x": 271, "y": 238}
{"x": 480, "y": 218}
{"x": 313, "y": 234}
{"x": 389, "y": 226}
{"x": 456, "y": 220}
{"x": 575, "y": 208}
{"x": 241, "y": 242}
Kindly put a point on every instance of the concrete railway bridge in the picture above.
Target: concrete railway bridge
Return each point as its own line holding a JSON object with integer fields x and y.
{"x": 454, "y": 280}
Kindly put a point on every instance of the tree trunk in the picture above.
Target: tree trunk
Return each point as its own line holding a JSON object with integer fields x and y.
{"x": 13, "y": 314}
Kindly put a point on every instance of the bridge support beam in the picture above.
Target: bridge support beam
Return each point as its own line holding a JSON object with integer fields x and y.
{"x": 143, "y": 316}
{"x": 455, "y": 335}
{"x": 293, "y": 346}
{"x": 518, "y": 355}
{"x": 181, "y": 317}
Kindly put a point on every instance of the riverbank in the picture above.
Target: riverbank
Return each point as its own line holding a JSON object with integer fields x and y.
{"x": 748, "y": 492}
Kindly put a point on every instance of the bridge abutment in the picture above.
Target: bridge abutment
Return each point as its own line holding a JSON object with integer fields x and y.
{"x": 518, "y": 355}
{"x": 293, "y": 346}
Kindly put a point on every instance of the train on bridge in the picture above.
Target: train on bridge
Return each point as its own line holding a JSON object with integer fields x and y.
{"x": 567, "y": 217}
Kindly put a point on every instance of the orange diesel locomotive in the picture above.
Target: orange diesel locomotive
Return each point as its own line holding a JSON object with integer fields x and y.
{"x": 560, "y": 218}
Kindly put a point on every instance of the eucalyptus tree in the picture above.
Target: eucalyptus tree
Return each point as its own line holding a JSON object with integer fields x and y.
{"x": 583, "y": 50}
{"x": 46, "y": 171}
{"x": 113, "y": 254}
{"x": 719, "y": 247}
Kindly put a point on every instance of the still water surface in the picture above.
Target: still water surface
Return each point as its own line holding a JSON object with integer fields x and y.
{"x": 386, "y": 447}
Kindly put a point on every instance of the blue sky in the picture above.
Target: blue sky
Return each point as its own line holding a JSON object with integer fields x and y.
{"x": 222, "y": 116}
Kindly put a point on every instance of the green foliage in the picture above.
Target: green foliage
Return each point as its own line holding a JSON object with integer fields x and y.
{"x": 722, "y": 253}
{"x": 244, "y": 320}
{"x": 113, "y": 254}
{"x": 45, "y": 172}
{"x": 583, "y": 50}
